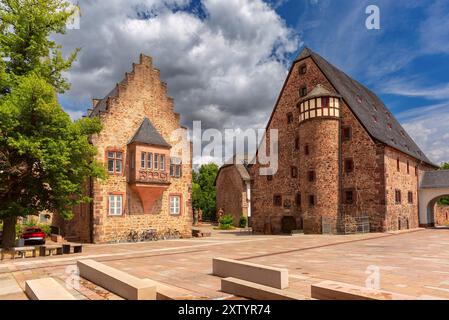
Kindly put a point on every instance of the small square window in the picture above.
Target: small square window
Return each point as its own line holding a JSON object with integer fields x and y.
{"x": 398, "y": 197}
{"x": 349, "y": 165}
{"x": 346, "y": 133}
{"x": 311, "y": 176}
{"x": 306, "y": 150}
{"x": 312, "y": 200}
{"x": 410, "y": 197}
{"x": 294, "y": 172}
{"x": 349, "y": 197}
{"x": 298, "y": 200}
{"x": 277, "y": 200}
{"x": 303, "y": 92}
{"x": 297, "y": 143}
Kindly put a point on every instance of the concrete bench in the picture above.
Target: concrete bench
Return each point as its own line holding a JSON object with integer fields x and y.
{"x": 167, "y": 292}
{"x": 332, "y": 290}
{"x": 116, "y": 281}
{"x": 77, "y": 248}
{"x": 50, "y": 249}
{"x": 46, "y": 289}
{"x": 256, "y": 291}
{"x": 22, "y": 251}
{"x": 265, "y": 275}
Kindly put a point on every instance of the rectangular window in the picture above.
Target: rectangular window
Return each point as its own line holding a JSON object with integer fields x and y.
{"x": 398, "y": 197}
{"x": 312, "y": 201}
{"x": 133, "y": 160}
{"x": 349, "y": 165}
{"x": 277, "y": 200}
{"x": 115, "y": 205}
{"x": 294, "y": 172}
{"x": 175, "y": 167}
{"x": 303, "y": 69}
{"x": 289, "y": 118}
{"x": 346, "y": 134}
{"x": 297, "y": 143}
{"x": 303, "y": 91}
{"x": 416, "y": 170}
{"x": 306, "y": 150}
{"x": 162, "y": 162}
{"x": 349, "y": 197}
{"x": 156, "y": 161}
{"x": 311, "y": 176}
{"x": 325, "y": 102}
{"x": 410, "y": 197}
{"x": 398, "y": 165}
{"x": 408, "y": 167}
{"x": 143, "y": 160}
{"x": 150, "y": 160}
{"x": 298, "y": 200}
{"x": 175, "y": 205}
{"x": 115, "y": 162}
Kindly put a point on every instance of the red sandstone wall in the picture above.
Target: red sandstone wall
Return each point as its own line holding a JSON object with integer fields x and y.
{"x": 231, "y": 193}
{"x": 442, "y": 215}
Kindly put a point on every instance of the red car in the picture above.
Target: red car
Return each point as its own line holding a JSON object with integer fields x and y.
{"x": 33, "y": 235}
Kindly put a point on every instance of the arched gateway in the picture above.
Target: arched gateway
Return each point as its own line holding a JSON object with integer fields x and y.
{"x": 432, "y": 186}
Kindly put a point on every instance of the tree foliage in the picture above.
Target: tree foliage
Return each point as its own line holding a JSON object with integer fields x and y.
{"x": 203, "y": 190}
{"x": 44, "y": 157}
{"x": 25, "y": 44}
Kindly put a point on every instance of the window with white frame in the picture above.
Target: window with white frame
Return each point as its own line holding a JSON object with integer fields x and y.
{"x": 162, "y": 162}
{"x": 143, "y": 160}
{"x": 150, "y": 160}
{"x": 115, "y": 205}
{"x": 175, "y": 205}
{"x": 156, "y": 161}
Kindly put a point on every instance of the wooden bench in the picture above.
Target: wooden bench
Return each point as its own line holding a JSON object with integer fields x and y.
{"x": 77, "y": 248}
{"x": 22, "y": 251}
{"x": 116, "y": 281}
{"x": 332, "y": 290}
{"x": 46, "y": 289}
{"x": 51, "y": 249}
{"x": 265, "y": 275}
{"x": 251, "y": 290}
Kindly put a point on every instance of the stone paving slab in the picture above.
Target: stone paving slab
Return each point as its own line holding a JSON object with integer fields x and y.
{"x": 411, "y": 263}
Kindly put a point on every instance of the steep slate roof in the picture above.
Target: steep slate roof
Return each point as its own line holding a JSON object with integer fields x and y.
{"x": 435, "y": 179}
{"x": 368, "y": 108}
{"x": 148, "y": 134}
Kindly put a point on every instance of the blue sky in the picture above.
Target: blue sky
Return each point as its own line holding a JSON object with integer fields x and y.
{"x": 207, "y": 49}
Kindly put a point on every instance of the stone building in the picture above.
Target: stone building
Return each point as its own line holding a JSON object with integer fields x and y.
{"x": 149, "y": 187}
{"x": 233, "y": 185}
{"x": 342, "y": 154}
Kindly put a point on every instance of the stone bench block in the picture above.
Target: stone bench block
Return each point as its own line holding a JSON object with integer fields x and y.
{"x": 46, "y": 289}
{"x": 332, "y": 290}
{"x": 116, "y": 281}
{"x": 265, "y": 275}
{"x": 256, "y": 291}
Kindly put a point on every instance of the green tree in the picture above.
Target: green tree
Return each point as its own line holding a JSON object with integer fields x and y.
{"x": 203, "y": 190}
{"x": 44, "y": 157}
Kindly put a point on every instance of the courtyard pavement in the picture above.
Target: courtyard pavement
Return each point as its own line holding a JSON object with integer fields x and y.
{"x": 414, "y": 263}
